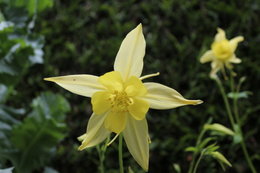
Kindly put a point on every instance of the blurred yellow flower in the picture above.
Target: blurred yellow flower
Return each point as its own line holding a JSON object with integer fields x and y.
{"x": 222, "y": 52}
{"x": 120, "y": 99}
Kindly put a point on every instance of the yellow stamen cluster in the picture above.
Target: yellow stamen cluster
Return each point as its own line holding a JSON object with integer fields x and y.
{"x": 120, "y": 101}
{"x": 222, "y": 50}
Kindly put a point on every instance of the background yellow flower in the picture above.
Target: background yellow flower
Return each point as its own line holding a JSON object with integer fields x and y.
{"x": 222, "y": 52}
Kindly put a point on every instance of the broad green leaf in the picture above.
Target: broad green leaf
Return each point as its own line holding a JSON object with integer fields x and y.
{"x": 49, "y": 104}
{"x": 3, "y": 93}
{"x": 6, "y": 26}
{"x": 7, "y": 170}
{"x": 49, "y": 170}
{"x": 30, "y": 144}
{"x": 10, "y": 115}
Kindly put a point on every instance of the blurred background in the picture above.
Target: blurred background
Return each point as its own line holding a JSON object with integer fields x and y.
{"x": 40, "y": 121}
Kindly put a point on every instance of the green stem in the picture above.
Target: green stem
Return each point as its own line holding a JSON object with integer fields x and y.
{"x": 253, "y": 170}
{"x": 101, "y": 153}
{"x": 120, "y": 153}
{"x": 101, "y": 163}
{"x": 197, "y": 163}
{"x": 235, "y": 92}
{"x": 221, "y": 88}
{"x": 237, "y": 117}
{"x": 242, "y": 143}
{"x": 196, "y": 153}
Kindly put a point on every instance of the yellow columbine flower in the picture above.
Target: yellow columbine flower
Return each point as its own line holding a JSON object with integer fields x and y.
{"x": 121, "y": 100}
{"x": 222, "y": 52}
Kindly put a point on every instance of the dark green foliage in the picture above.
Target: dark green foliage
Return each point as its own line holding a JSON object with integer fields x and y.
{"x": 28, "y": 136}
{"x": 84, "y": 36}
{"x": 30, "y": 143}
{"x": 20, "y": 48}
{"x": 31, "y": 6}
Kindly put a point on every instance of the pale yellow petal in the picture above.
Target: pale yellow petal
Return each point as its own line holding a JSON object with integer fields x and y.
{"x": 233, "y": 42}
{"x": 136, "y": 137}
{"x": 100, "y": 102}
{"x": 112, "y": 81}
{"x": 215, "y": 67}
{"x": 85, "y": 85}
{"x": 82, "y": 137}
{"x": 115, "y": 121}
{"x": 96, "y": 132}
{"x": 162, "y": 97}
{"x": 207, "y": 56}
{"x": 135, "y": 87}
{"x": 139, "y": 108}
{"x": 129, "y": 59}
{"x": 235, "y": 60}
{"x": 221, "y": 35}
{"x": 228, "y": 65}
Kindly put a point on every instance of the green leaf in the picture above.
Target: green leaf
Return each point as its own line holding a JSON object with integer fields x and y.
{"x": 220, "y": 157}
{"x": 237, "y": 137}
{"x": 31, "y": 143}
{"x": 205, "y": 142}
{"x": 3, "y": 93}
{"x": 7, "y": 170}
{"x": 33, "y": 6}
{"x": 239, "y": 95}
{"x": 51, "y": 106}
{"x": 219, "y": 128}
{"x": 177, "y": 167}
{"x": 191, "y": 149}
{"x": 6, "y": 26}
{"x": 49, "y": 170}
{"x": 211, "y": 148}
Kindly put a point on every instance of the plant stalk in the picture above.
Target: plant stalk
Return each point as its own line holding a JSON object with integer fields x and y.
{"x": 235, "y": 107}
{"x": 227, "y": 105}
{"x": 197, "y": 163}
{"x": 191, "y": 167}
{"x": 120, "y": 154}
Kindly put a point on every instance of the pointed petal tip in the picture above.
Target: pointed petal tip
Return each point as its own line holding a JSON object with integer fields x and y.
{"x": 199, "y": 102}
{"x": 139, "y": 27}
{"x": 81, "y": 148}
{"x": 145, "y": 169}
{"x": 203, "y": 60}
{"x": 239, "y": 38}
{"x": 49, "y": 79}
{"x": 82, "y": 137}
{"x": 196, "y": 102}
{"x": 145, "y": 165}
{"x": 219, "y": 29}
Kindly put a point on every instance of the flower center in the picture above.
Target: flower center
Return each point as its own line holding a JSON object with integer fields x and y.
{"x": 222, "y": 49}
{"x": 119, "y": 101}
